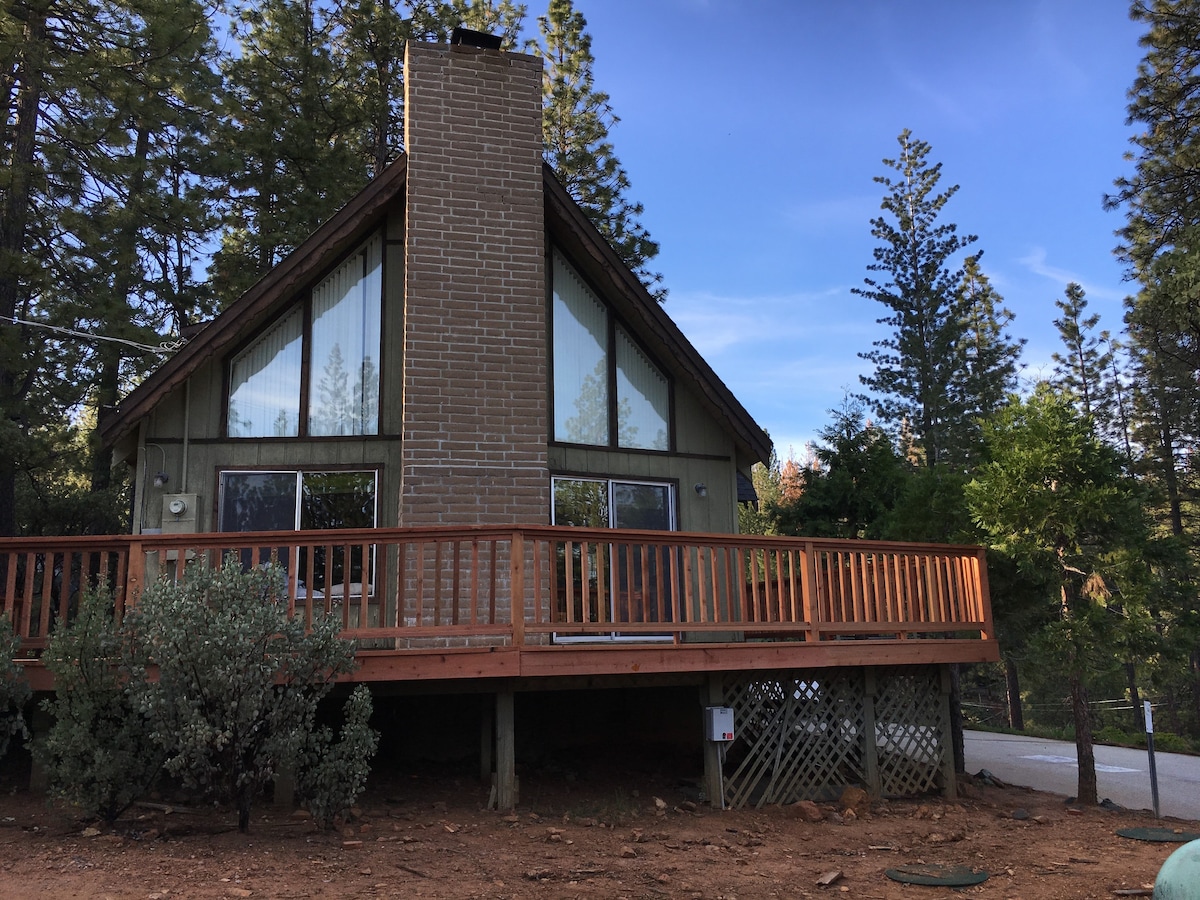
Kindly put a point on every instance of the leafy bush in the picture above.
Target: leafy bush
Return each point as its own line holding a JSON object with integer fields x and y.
{"x": 1172, "y": 743}
{"x": 238, "y": 680}
{"x": 98, "y": 754}
{"x": 332, "y": 775}
{"x": 14, "y": 689}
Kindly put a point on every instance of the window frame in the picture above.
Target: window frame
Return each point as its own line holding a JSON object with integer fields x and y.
{"x": 613, "y": 324}
{"x": 303, "y": 300}
{"x": 323, "y": 560}
{"x": 610, "y": 482}
{"x": 299, "y": 472}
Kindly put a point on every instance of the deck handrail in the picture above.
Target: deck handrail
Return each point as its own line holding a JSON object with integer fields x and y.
{"x": 414, "y": 587}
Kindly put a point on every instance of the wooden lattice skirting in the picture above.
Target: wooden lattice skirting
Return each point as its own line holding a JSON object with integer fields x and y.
{"x": 807, "y": 734}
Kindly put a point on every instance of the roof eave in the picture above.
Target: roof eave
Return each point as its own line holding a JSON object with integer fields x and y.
{"x": 332, "y": 238}
{"x": 645, "y": 311}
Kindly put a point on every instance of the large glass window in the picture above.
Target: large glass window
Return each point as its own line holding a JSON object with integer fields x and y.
{"x": 607, "y": 392}
{"x": 287, "y": 501}
{"x": 264, "y": 383}
{"x": 622, "y": 582}
{"x": 339, "y": 367}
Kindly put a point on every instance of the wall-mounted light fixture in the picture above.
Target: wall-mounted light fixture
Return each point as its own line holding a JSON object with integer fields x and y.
{"x": 701, "y": 488}
{"x": 160, "y": 479}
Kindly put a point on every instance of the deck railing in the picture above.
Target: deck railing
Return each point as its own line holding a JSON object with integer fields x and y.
{"x": 415, "y": 588}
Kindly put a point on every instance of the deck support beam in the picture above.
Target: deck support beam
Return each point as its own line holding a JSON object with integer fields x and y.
{"x": 869, "y": 737}
{"x": 712, "y": 693}
{"x": 506, "y": 750}
{"x": 949, "y": 778}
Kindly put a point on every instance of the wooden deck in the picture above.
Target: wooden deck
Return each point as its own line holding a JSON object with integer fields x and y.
{"x": 437, "y": 603}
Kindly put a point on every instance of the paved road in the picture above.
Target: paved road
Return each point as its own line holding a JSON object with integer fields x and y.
{"x": 1122, "y": 775}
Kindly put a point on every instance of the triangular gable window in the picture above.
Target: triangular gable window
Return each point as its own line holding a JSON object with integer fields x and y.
{"x": 597, "y": 362}
{"x": 325, "y": 349}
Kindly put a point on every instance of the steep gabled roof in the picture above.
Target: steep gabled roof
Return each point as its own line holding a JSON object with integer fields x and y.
{"x": 567, "y": 224}
{"x": 324, "y": 246}
{"x": 570, "y": 227}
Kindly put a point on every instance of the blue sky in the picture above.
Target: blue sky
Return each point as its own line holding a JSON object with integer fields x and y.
{"x": 752, "y": 130}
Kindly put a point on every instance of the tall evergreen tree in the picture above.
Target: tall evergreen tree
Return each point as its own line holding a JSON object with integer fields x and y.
{"x": 1161, "y": 243}
{"x": 369, "y": 38}
{"x": 315, "y": 110}
{"x": 576, "y": 122}
{"x": 1162, "y": 196}
{"x": 990, "y": 357}
{"x": 1084, "y": 370}
{"x": 917, "y": 367}
{"x": 1053, "y": 498}
{"x": 97, "y": 198}
{"x": 285, "y": 136}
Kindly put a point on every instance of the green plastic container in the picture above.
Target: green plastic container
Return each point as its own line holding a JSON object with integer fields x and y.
{"x": 1179, "y": 877}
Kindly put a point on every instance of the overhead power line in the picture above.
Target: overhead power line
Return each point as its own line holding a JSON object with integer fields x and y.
{"x": 166, "y": 348}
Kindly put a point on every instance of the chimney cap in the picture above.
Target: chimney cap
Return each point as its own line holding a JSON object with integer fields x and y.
{"x": 468, "y": 38}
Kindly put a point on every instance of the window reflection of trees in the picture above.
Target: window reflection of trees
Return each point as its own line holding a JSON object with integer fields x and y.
{"x": 342, "y": 408}
{"x": 613, "y": 573}
{"x": 267, "y": 501}
{"x": 337, "y": 500}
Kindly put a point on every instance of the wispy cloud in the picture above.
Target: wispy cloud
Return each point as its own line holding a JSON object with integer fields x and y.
{"x": 1035, "y": 262}
{"x": 1049, "y": 30}
{"x": 715, "y": 323}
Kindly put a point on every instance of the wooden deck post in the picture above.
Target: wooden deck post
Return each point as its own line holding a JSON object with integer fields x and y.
{"x": 712, "y": 693}
{"x": 870, "y": 745}
{"x": 506, "y": 751}
{"x": 949, "y": 779}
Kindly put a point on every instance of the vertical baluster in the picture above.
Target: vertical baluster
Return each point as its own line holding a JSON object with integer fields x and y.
{"x": 493, "y": 582}
{"x": 456, "y": 582}
{"x": 516, "y": 581}
{"x": 475, "y": 578}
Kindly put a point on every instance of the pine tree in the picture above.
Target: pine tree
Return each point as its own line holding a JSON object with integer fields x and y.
{"x": 368, "y": 41}
{"x": 1162, "y": 196}
{"x": 285, "y": 136}
{"x": 1054, "y": 500}
{"x": 576, "y": 122}
{"x": 917, "y": 367}
{"x": 990, "y": 357}
{"x": 99, "y": 218}
{"x": 1161, "y": 243}
{"x": 1083, "y": 371}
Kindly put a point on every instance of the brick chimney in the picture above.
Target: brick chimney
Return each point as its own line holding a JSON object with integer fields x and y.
{"x": 475, "y": 369}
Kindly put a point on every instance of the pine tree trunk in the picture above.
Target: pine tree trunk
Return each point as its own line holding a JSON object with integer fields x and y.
{"x": 1134, "y": 696}
{"x": 1012, "y": 684}
{"x": 108, "y": 377}
{"x": 14, "y": 220}
{"x": 1086, "y": 789}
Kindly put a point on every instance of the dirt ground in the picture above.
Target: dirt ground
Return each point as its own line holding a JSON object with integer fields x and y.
{"x": 599, "y": 834}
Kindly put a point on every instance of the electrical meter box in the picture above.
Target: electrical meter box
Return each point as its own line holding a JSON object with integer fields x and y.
{"x": 718, "y": 723}
{"x": 179, "y": 513}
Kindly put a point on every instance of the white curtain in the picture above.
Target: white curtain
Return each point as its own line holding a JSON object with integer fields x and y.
{"x": 264, "y": 383}
{"x": 344, "y": 362}
{"x": 580, "y": 360}
{"x": 643, "y": 404}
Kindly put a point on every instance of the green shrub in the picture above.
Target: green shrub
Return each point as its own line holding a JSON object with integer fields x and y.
{"x": 238, "y": 680}
{"x": 98, "y": 754}
{"x": 332, "y": 775}
{"x": 1110, "y": 734}
{"x": 14, "y": 689}
{"x": 1168, "y": 742}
